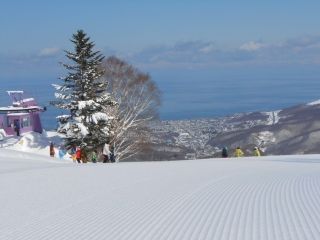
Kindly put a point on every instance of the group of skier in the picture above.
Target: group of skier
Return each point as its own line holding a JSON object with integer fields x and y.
{"x": 78, "y": 155}
{"x": 239, "y": 153}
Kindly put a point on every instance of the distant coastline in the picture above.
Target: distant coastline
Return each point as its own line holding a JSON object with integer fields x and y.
{"x": 194, "y": 100}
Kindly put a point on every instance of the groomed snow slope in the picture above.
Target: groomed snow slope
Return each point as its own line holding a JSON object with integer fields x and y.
{"x": 250, "y": 199}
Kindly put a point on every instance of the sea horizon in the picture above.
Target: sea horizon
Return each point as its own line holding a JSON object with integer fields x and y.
{"x": 185, "y": 100}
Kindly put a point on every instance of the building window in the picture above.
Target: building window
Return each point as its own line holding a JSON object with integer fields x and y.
{"x": 9, "y": 122}
{"x": 25, "y": 122}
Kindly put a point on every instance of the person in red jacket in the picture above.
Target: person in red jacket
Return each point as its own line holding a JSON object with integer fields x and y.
{"x": 78, "y": 155}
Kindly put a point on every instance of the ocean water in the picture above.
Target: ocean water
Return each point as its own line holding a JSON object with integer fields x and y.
{"x": 190, "y": 96}
{"x": 220, "y": 92}
{"x": 210, "y": 98}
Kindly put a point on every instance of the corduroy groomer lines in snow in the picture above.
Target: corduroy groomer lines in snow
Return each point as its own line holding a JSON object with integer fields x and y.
{"x": 238, "y": 198}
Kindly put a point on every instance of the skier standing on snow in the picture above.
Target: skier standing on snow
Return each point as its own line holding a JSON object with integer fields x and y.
{"x": 224, "y": 152}
{"x": 106, "y": 152}
{"x": 94, "y": 156}
{"x": 84, "y": 157}
{"x": 256, "y": 152}
{"x": 78, "y": 155}
{"x": 51, "y": 150}
{"x": 73, "y": 153}
{"x": 238, "y": 152}
{"x": 112, "y": 157}
{"x": 17, "y": 127}
{"x": 61, "y": 152}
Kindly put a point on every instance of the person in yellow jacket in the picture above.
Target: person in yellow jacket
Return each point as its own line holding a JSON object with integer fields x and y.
{"x": 238, "y": 152}
{"x": 256, "y": 152}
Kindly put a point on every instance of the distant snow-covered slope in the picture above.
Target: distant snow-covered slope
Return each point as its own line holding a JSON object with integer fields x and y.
{"x": 249, "y": 198}
{"x": 294, "y": 130}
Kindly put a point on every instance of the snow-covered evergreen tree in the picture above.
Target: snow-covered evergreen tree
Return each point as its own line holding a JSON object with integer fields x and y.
{"x": 83, "y": 94}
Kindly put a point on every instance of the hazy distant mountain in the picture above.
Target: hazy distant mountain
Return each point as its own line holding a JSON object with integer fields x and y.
{"x": 294, "y": 130}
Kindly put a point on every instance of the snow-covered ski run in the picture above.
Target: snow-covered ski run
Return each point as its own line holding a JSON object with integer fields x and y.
{"x": 267, "y": 198}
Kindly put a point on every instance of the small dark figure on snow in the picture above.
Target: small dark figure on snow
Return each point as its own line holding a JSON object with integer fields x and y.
{"x": 112, "y": 157}
{"x": 51, "y": 150}
{"x": 17, "y": 127}
{"x": 224, "y": 152}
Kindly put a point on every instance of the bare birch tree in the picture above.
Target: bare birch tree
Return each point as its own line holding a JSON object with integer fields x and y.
{"x": 138, "y": 100}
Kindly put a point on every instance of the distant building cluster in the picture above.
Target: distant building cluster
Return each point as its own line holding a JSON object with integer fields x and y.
{"x": 194, "y": 136}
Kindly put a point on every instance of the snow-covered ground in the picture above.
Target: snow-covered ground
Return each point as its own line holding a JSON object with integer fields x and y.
{"x": 246, "y": 198}
{"x": 273, "y": 117}
{"x": 34, "y": 143}
{"x": 314, "y": 103}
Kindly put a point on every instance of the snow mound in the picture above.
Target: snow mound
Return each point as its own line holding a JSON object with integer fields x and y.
{"x": 2, "y": 134}
{"x": 314, "y": 103}
{"x": 33, "y": 142}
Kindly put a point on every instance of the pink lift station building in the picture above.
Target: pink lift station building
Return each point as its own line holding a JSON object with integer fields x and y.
{"x": 22, "y": 117}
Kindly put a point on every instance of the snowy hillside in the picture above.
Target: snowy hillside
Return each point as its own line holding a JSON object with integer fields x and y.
{"x": 293, "y": 130}
{"x": 248, "y": 198}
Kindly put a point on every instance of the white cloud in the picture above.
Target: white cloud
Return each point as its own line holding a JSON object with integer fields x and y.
{"x": 190, "y": 54}
{"x": 200, "y": 54}
{"x": 251, "y": 46}
{"x": 208, "y": 48}
{"x": 49, "y": 52}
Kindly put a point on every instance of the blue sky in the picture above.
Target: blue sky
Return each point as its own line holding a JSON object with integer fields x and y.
{"x": 162, "y": 35}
